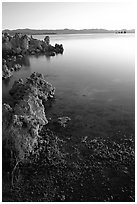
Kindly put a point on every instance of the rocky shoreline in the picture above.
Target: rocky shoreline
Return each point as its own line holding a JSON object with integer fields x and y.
{"x": 41, "y": 163}
{"x": 19, "y": 45}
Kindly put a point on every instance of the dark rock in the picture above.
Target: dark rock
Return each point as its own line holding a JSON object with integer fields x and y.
{"x": 59, "y": 48}
{"x": 7, "y": 112}
{"x": 50, "y": 54}
{"x": 23, "y": 122}
{"x": 20, "y": 44}
{"x": 13, "y": 58}
{"x": 63, "y": 121}
{"x": 47, "y": 40}
{"x": 12, "y": 69}
{"x": 35, "y": 84}
{"x": 4, "y": 61}
{"x": 6, "y": 73}
{"x": 17, "y": 67}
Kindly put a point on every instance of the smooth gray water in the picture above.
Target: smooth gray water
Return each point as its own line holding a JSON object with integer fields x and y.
{"x": 94, "y": 80}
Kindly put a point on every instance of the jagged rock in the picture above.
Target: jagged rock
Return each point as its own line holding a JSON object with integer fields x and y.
{"x": 7, "y": 112}
{"x": 38, "y": 50}
{"x": 50, "y": 54}
{"x": 63, "y": 121}
{"x": 17, "y": 67}
{"x": 21, "y": 125}
{"x": 16, "y": 136}
{"x": 47, "y": 40}
{"x": 12, "y": 69}
{"x": 9, "y": 65}
{"x": 6, "y": 73}
{"x": 22, "y": 44}
{"x": 14, "y": 58}
{"x": 23, "y": 122}
{"x": 59, "y": 48}
{"x": 35, "y": 84}
{"x": 32, "y": 110}
{"x": 4, "y": 61}
{"x": 34, "y": 44}
{"x": 17, "y": 50}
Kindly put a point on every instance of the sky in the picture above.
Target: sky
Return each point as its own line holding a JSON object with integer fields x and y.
{"x": 61, "y": 15}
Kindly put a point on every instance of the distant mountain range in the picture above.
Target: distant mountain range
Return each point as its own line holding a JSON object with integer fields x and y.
{"x": 65, "y": 31}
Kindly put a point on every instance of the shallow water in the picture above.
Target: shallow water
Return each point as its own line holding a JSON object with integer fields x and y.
{"x": 94, "y": 80}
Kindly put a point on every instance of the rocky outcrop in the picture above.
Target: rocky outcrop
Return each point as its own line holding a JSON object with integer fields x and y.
{"x": 23, "y": 121}
{"x": 19, "y": 45}
{"x": 59, "y": 48}
{"x": 34, "y": 44}
{"x": 9, "y": 66}
{"x": 20, "y": 130}
{"x": 16, "y": 67}
{"x": 35, "y": 84}
{"x": 47, "y": 40}
{"x": 6, "y": 73}
{"x": 22, "y": 44}
{"x": 62, "y": 121}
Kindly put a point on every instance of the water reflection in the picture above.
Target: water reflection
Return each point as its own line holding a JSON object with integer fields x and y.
{"x": 48, "y": 57}
{"x": 95, "y": 72}
{"x": 25, "y": 61}
{"x": 6, "y": 82}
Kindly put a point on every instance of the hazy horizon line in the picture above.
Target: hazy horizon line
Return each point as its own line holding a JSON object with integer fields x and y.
{"x": 68, "y": 29}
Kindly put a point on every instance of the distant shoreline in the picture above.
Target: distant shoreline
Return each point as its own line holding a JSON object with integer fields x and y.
{"x": 66, "y": 31}
{"x": 78, "y": 33}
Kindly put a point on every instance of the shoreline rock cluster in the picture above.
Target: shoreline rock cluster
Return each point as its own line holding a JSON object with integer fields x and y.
{"x": 9, "y": 66}
{"x": 19, "y": 45}
{"x": 57, "y": 169}
{"x": 40, "y": 159}
{"x": 22, "y": 44}
{"x": 23, "y": 121}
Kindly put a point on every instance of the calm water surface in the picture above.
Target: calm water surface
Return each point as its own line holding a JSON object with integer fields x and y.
{"x": 94, "y": 80}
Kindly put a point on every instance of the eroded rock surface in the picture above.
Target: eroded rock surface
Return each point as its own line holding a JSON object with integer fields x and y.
{"x": 63, "y": 121}
{"x": 22, "y": 123}
{"x": 22, "y": 44}
{"x": 36, "y": 85}
{"x": 6, "y": 73}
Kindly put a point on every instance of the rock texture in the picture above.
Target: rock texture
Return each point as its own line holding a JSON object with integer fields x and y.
{"x": 35, "y": 85}
{"x": 63, "y": 121}
{"x": 22, "y": 123}
{"x": 19, "y": 45}
{"x": 22, "y": 44}
{"x": 6, "y": 73}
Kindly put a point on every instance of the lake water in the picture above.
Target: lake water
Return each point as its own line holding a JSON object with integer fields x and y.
{"x": 94, "y": 80}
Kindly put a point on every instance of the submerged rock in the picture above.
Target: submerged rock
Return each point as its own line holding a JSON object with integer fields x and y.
{"x": 63, "y": 121}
